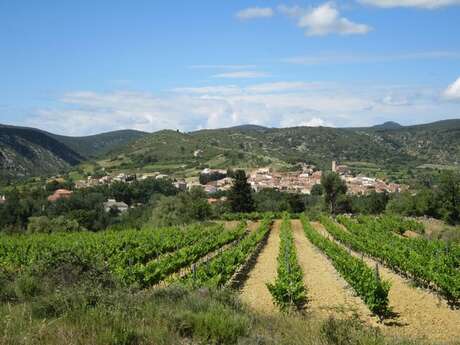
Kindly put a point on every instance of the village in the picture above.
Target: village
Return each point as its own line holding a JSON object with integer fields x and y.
{"x": 301, "y": 181}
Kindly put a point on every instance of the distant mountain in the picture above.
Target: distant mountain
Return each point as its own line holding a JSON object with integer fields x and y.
{"x": 388, "y": 125}
{"x": 99, "y": 144}
{"x": 389, "y": 144}
{"x": 29, "y": 151}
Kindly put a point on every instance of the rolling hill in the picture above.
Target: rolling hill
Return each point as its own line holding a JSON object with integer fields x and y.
{"x": 29, "y": 151}
{"x": 389, "y": 144}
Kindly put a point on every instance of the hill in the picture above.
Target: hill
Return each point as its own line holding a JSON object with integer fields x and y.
{"x": 390, "y": 145}
{"x": 387, "y": 125}
{"x": 96, "y": 145}
{"x": 29, "y": 151}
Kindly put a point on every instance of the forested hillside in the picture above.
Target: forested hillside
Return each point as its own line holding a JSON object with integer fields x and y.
{"x": 30, "y": 152}
{"x": 386, "y": 145}
{"x": 26, "y": 151}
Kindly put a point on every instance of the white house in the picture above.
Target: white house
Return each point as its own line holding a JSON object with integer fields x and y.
{"x": 112, "y": 204}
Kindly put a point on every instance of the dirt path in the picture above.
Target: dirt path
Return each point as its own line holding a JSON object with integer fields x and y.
{"x": 229, "y": 224}
{"x": 253, "y": 225}
{"x": 254, "y": 291}
{"x": 328, "y": 293}
{"x": 421, "y": 314}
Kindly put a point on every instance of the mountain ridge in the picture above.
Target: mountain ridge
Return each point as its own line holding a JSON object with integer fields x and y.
{"x": 28, "y": 151}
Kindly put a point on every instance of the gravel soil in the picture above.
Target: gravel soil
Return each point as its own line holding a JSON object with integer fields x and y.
{"x": 328, "y": 293}
{"x": 419, "y": 313}
{"x": 254, "y": 291}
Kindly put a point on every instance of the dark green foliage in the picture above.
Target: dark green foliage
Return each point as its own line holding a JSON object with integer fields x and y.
{"x": 270, "y": 200}
{"x": 372, "y": 203}
{"x": 240, "y": 195}
{"x": 44, "y": 224}
{"x": 317, "y": 190}
{"x": 184, "y": 208}
{"x": 55, "y": 185}
{"x": 84, "y": 209}
{"x": 334, "y": 187}
{"x": 214, "y": 176}
{"x": 442, "y": 200}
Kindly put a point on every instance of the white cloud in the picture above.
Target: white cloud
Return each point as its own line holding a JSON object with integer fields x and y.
{"x": 312, "y": 122}
{"x": 427, "y": 4}
{"x": 254, "y": 12}
{"x": 324, "y": 20}
{"x": 203, "y": 90}
{"x": 395, "y": 100}
{"x": 280, "y": 87}
{"x": 241, "y": 75}
{"x": 453, "y": 91}
{"x": 282, "y": 103}
{"x": 357, "y": 58}
{"x": 230, "y": 67}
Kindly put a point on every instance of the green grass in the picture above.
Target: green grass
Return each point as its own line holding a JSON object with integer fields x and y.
{"x": 74, "y": 303}
{"x": 169, "y": 316}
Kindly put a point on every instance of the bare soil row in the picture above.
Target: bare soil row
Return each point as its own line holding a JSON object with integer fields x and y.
{"x": 418, "y": 312}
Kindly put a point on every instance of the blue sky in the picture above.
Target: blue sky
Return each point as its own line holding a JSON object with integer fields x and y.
{"x": 82, "y": 67}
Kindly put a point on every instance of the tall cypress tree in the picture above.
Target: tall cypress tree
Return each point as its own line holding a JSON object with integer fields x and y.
{"x": 240, "y": 196}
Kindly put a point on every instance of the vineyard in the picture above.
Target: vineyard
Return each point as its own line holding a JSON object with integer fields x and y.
{"x": 288, "y": 290}
{"x": 293, "y": 265}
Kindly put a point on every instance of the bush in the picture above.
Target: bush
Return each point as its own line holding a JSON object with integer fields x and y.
{"x": 43, "y": 224}
{"x": 27, "y": 286}
{"x": 7, "y": 293}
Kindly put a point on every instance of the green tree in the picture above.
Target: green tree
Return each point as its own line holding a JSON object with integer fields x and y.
{"x": 317, "y": 190}
{"x": 372, "y": 203}
{"x": 333, "y": 187}
{"x": 184, "y": 208}
{"x": 240, "y": 195}
{"x": 449, "y": 196}
{"x": 43, "y": 224}
{"x": 425, "y": 203}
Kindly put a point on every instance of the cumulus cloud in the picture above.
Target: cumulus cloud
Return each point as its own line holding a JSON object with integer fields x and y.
{"x": 453, "y": 91}
{"x": 254, "y": 12}
{"x": 242, "y": 75}
{"x": 427, "y": 4}
{"x": 276, "y": 104}
{"x": 324, "y": 20}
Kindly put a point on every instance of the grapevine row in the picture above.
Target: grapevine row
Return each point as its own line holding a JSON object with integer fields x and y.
{"x": 219, "y": 270}
{"x": 155, "y": 271}
{"x": 365, "y": 281}
{"x": 412, "y": 258}
{"x": 288, "y": 290}
{"x": 118, "y": 247}
{"x": 449, "y": 251}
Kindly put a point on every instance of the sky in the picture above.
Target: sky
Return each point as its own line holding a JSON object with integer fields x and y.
{"x": 85, "y": 67}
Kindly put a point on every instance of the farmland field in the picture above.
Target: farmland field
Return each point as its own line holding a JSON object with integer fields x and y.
{"x": 360, "y": 268}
